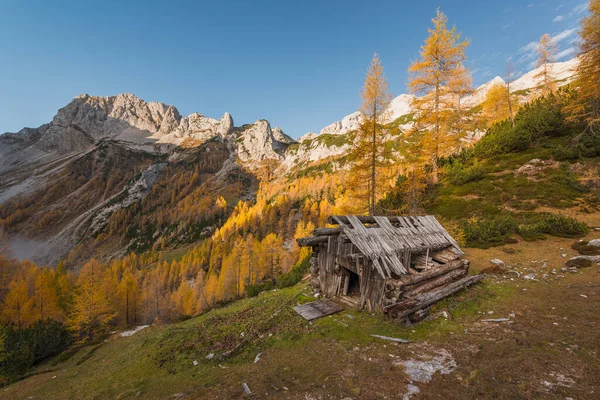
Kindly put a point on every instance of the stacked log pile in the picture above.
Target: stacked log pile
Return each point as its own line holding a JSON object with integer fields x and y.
{"x": 413, "y": 295}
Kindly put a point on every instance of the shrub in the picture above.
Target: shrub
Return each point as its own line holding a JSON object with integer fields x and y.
{"x": 552, "y": 224}
{"x": 589, "y": 145}
{"x": 502, "y": 138}
{"x": 256, "y": 288}
{"x": 535, "y": 122}
{"x": 542, "y": 117}
{"x": 290, "y": 278}
{"x": 22, "y": 348}
{"x": 562, "y": 153}
{"x": 458, "y": 174}
{"x": 294, "y": 275}
{"x": 585, "y": 249}
{"x": 490, "y": 231}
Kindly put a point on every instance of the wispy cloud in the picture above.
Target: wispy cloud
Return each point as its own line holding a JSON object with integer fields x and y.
{"x": 565, "y": 53}
{"x": 530, "y": 5}
{"x": 506, "y": 26}
{"x": 528, "y": 53}
{"x": 579, "y": 9}
{"x": 558, "y": 18}
{"x": 567, "y": 33}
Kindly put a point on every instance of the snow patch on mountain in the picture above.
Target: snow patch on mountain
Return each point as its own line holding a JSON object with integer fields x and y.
{"x": 562, "y": 72}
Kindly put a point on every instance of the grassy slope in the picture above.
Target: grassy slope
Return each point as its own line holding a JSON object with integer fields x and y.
{"x": 501, "y": 188}
{"x": 554, "y": 335}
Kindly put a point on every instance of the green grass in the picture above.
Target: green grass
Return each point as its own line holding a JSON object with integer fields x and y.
{"x": 158, "y": 362}
{"x": 331, "y": 355}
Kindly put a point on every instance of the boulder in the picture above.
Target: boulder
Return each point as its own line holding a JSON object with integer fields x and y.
{"x": 583, "y": 261}
{"x": 497, "y": 262}
{"x": 594, "y": 242}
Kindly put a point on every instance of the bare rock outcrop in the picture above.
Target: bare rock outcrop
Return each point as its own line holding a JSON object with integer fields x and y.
{"x": 583, "y": 261}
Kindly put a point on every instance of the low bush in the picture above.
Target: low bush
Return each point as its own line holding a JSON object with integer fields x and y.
{"x": 584, "y": 248}
{"x": 290, "y": 278}
{"x": 562, "y": 153}
{"x": 22, "y": 348}
{"x": 458, "y": 174}
{"x": 294, "y": 275}
{"x": 490, "y": 231}
{"x": 257, "y": 288}
{"x": 551, "y": 224}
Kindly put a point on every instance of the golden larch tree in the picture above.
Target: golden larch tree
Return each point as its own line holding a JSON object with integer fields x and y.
{"x": 431, "y": 79}
{"x": 366, "y": 154}
{"x": 92, "y": 313}
{"x": 585, "y": 107}
{"x": 547, "y": 48}
{"x": 496, "y": 106}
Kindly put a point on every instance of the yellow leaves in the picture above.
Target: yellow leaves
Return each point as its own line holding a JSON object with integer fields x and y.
{"x": 495, "y": 105}
{"x": 585, "y": 108}
{"x": 19, "y": 306}
{"x": 375, "y": 96}
{"x": 92, "y": 312}
{"x": 439, "y": 79}
{"x": 185, "y": 300}
{"x": 547, "y": 48}
{"x": 221, "y": 202}
{"x": 367, "y": 151}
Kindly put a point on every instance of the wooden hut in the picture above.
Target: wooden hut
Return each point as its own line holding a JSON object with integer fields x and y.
{"x": 396, "y": 265}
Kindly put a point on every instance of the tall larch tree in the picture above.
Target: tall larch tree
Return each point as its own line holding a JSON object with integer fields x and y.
{"x": 431, "y": 79}
{"x": 496, "y": 105}
{"x": 92, "y": 313}
{"x": 366, "y": 153}
{"x": 547, "y": 48}
{"x": 585, "y": 107}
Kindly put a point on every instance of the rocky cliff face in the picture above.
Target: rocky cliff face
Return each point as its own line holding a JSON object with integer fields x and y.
{"x": 87, "y": 119}
{"x": 157, "y": 127}
{"x": 258, "y": 142}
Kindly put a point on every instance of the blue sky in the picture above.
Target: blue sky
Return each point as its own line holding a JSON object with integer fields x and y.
{"x": 299, "y": 64}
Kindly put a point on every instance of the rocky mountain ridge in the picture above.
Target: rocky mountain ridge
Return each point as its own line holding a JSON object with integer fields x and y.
{"x": 158, "y": 128}
{"x": 562, "y": 72}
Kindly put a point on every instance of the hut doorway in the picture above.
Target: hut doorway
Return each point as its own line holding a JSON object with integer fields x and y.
{"x": 351, "y": 285}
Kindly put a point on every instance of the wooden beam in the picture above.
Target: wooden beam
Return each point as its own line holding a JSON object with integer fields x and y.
{"x": 365, "y": 219}
{"x": 435, "y": 272}
{"x": 408, "y": 307}
{"x": 311, "y": 241}
{"x": 327, "y": 231}
{"x": 427, "y": 286}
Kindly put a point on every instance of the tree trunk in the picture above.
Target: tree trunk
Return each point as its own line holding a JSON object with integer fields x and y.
{"x": 434, "y": 166}
{"x": 510, "y": 112}
{"x": 372, "y": 210}
{"x": 127, "y": 305}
